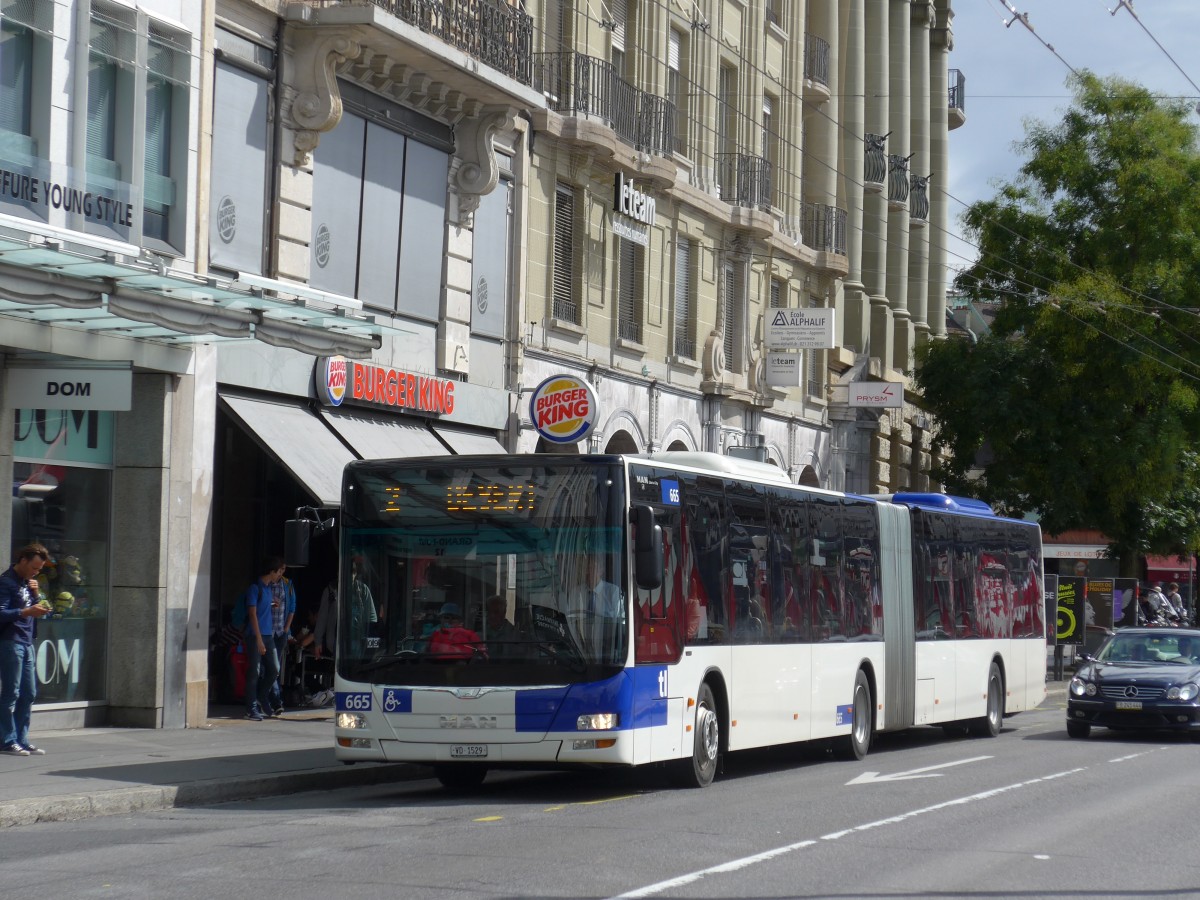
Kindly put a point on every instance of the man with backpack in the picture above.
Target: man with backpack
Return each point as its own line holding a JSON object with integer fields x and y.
{"x": 262, "y": 664}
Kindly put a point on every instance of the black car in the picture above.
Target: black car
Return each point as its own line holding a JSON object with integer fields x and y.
{"x": 1146, "y": 679}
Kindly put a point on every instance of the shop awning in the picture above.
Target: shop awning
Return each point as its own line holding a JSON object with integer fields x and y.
{"x": 1168, "y": 568}
{"x": 463, "y": 440}
{"x": 297, "y": 439}
{"x": 383, "y": 437}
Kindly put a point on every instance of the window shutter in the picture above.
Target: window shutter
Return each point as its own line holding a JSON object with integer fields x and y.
{"x": 732, "y": 317}
{"x": 620, "y": 13}
{"x": 684, "y": 342}
{"x": 673, "y": 42}
{"x": 629, "y": 300}
{"x": 565, "y": 306}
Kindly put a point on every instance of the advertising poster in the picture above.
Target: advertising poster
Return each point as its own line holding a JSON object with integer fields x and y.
{"x": 1125, "y": 597}
{"x": 1072, "y": 595}
{"x": 1098, "y": 604}
{"x": 1050, "y": 593}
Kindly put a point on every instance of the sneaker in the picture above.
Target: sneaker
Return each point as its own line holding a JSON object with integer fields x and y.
{"x": 14, "y": 750}
{"x": 34, "y": 751}
{"x": 253, "y": 715}
{"x": 276, "y": 712}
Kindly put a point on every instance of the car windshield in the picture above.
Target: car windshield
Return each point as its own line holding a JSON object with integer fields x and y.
{"x": 1151, "y": 648}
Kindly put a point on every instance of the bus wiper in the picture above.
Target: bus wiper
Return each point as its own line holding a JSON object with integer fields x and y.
{"x": 573, "y": 658}
{"x": 404, "y": 656}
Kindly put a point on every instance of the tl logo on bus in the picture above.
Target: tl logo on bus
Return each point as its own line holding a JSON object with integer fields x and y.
{"x": 563, "y": 409}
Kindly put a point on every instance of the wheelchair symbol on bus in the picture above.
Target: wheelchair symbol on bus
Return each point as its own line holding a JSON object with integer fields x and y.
{"x": 397, "y": 701}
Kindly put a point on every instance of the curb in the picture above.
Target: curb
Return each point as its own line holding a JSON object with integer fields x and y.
{"x": 125, "y": 801}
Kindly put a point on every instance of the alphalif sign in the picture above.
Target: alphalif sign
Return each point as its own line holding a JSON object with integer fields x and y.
{"x": 799, "y": 329}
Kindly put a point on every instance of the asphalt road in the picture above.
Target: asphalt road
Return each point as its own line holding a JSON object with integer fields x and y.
{"x": 1028, "y": 814}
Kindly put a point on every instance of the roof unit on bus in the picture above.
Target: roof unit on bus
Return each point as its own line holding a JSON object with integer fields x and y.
{"x": 945, "y": 502}
{"x": 715, "y": 462}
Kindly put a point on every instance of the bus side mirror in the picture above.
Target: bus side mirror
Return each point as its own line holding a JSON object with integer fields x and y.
{"x": 647, "y": 549}
{"x": 296, "y": 536}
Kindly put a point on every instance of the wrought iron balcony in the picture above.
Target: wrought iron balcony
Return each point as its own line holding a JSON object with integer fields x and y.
{"x": 685, "y": 346}
{"x": 495, "y": 33}
{"x": 816, "y": 59}
{"x": 745, "y": 180}
{"x": 897, "y": 179}
{"x": 824, "y": 228}
{"x": 875, "y": 162}
{"x": 918, "y": 200}
{"x": 958, "y": 89}
{"x": 576, "y": 84}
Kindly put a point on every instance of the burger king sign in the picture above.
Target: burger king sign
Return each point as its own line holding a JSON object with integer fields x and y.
{"x": 563, "y": 409}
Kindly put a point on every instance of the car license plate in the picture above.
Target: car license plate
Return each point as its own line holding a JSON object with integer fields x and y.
{"x": 1129, "y": 704}
{"x": 470, "y": 751}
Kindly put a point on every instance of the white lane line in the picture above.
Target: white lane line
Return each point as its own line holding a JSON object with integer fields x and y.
{"x": 734, "y": 865}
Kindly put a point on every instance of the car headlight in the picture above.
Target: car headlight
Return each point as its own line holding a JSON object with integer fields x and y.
{"x": 597, "y": 722}
{"x": 1078, "y": 686}
{"x": 1187, "y": 691}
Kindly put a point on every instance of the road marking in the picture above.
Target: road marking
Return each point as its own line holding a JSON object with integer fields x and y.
{"x": 876, "y": 778}
{"x": 490, "y": 819}
{"x": 745, "y": 861}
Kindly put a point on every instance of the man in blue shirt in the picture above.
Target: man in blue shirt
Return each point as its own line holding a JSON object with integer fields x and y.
{"x": 19, "y": 612}
{"x": 262, "y": 666}
{"x": 283, "y": 610}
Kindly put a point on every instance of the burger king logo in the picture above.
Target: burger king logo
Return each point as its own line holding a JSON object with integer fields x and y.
{"x": 563, "y": 409}
{"x": 331, "y": 380}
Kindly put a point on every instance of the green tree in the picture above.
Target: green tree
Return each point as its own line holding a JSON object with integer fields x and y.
{"x": 1085, "y": 396}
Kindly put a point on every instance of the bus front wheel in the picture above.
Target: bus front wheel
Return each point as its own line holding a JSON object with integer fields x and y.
{"x": 700, "y": 770}
{"x": 460, "y": 776}
{"x": 856, "y": 744}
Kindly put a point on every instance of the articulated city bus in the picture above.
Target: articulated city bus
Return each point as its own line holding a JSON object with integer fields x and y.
{"x": 551, "y": 611}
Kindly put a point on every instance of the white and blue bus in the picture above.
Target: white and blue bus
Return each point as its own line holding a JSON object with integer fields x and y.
{"x": 551, "y": 611}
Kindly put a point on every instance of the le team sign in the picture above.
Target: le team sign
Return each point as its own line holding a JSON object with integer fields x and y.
{"x": 563, "y": 409}
{"x": 339, "y": 379}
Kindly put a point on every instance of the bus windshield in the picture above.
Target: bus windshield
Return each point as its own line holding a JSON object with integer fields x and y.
{"x": 461, "y": 571}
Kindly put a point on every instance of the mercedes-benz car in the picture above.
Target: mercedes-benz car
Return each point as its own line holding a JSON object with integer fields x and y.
{"x": 1145, "y": 679}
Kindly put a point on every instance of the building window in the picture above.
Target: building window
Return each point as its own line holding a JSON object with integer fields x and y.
{"x": 566, "y": 304}
{"x": 117, "y": 140}
{"x": 621, "y": 11}
{"x": 167, "y": 64}
{"x": 685, "y": 315}
{"x": 774, "y": 9}
{"x": 815, "y": 362}
{"x": 734, "y": 319}
{"x": 676, "y": 92}
{"x": 778, "y": 293}
{"x": 631, "y": 281}
{"x": 25, "y": 32}
{"x": 770, "y": 142}
{"x": 727, "y": 110}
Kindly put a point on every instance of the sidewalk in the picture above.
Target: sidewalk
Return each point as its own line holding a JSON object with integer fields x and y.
{"x": 112, "y": 771}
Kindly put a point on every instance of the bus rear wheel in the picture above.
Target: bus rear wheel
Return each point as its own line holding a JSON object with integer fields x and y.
{"x": 856, "y": 744}
{"x": 701, "y": 769}
{"x": 989, "y": 724}
{"x": 460, "y": 776}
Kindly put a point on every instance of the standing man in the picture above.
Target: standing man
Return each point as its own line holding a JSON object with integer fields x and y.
{"x": 283, "y": 610}
{"x": 19, "y": 612}
{"x": 262, "y": 668}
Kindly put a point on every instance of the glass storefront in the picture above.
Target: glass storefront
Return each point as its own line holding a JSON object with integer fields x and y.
{"x": 62, "y": 498}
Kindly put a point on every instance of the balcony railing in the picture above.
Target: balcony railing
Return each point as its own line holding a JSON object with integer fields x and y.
{"x": 875, "y": 163}
{"x": 566, "y": 310}
{"x": 897, "y": 178}
{"x": 824, "y": 228}
{"x": 918, "y": 198}
{"x": 816, "y": 59}
{"x": 685, "y": 346}
{"x": 495, "y": 33}
{"x": 958, "y": 90}
{"x": 576, "y": 84}
{"x": 745, "y": 180}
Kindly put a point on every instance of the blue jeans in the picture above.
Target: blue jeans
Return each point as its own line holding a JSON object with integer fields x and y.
{"x": 276, "y": 695}
{"x": 262, "y": 671}
{"x": 18, "y": 688}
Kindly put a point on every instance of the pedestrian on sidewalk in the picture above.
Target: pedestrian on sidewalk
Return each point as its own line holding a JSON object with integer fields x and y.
{"x": 262, "y": 666}
{"x": 19, "y": 612}
{"x": 283, "y": 610}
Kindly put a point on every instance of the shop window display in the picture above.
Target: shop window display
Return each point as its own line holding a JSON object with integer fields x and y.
{"x": 62, "y": 499}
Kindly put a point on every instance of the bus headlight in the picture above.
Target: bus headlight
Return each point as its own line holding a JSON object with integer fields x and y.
{"x": 351, "y": 720}
{"x": 597, "y": 722}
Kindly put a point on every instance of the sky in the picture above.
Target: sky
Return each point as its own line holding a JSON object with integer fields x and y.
{"x": 1012, "y": 76}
